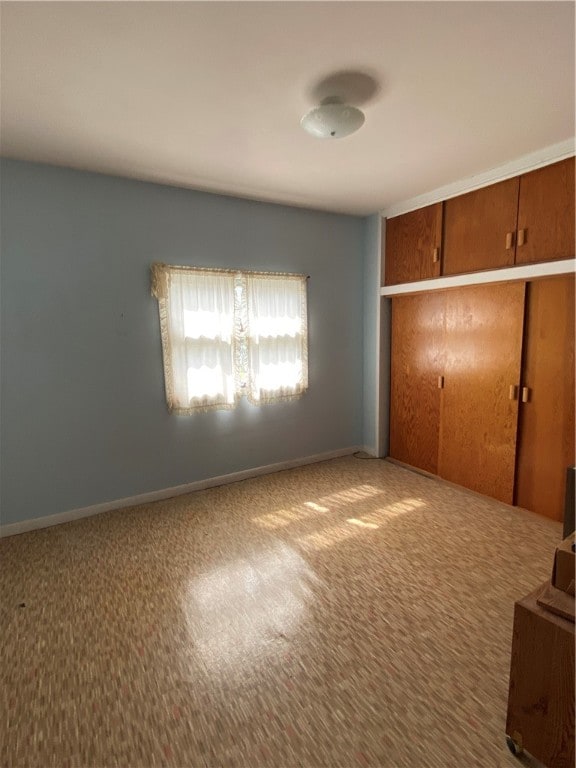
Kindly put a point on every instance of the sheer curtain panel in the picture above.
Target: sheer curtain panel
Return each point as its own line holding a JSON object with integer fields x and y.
{"x": 277, "y": 337}
{"x": 197, "y": 326}
{"x": 229, "y": 333}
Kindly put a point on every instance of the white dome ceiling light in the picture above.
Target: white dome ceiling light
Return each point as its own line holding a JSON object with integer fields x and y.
{"x": 332, "y": 120}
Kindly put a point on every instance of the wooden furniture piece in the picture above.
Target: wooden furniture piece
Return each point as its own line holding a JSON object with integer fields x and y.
{"x": 546, "y": 426}
{"x": 416, "y": 364}
{"x": 413, "y": 245}
{"x": 546, "y": 214}
{"x": 540, "y": 717}
{"x": 479, "y": 410}
{"x": 479, "y": 228}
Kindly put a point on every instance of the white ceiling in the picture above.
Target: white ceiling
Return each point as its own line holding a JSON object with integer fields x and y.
{"x": 209, "y": 95}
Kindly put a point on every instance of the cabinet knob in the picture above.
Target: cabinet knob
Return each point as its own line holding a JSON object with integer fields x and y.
{"x": 436, "y": 255}
{"x": 509, "y": 240}
{"x": 525, "y": 395}
{"x": 440, "y": 382}
{"x": 521, "y": 237}
{"x": 513, "y": 393}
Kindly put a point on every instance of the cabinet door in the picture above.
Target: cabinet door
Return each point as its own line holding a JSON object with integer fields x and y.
{"x": 413, "y": 243}
{"x": 478, "y": 421}
{"x": 479, "y": 229}
{"x": 546, "y": 429}
{"x": 416, "y": 363}
{"x": 546, "y": 214}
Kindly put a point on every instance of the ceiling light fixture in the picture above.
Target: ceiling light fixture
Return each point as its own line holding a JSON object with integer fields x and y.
{"x": 332, "y": 120}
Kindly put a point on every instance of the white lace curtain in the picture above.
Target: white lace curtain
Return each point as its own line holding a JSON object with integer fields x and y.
{"x": 277, "y": 337}
{"x": 226, "y": 333}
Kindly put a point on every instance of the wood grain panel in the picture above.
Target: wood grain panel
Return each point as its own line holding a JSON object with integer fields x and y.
{"x": 478, "y": 421}
{"x": 541, "y": 693}
{"x": 546, "y": 426}
{"x": 476, "y": 226}
{"x": 416, "y": 363}
{"x": 546, "y": 214}
{"x": 410, "y": 243}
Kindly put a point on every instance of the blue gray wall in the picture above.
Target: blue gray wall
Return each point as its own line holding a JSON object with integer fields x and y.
{"x": 371, "y": 336}
{"x": 84, "y": 419}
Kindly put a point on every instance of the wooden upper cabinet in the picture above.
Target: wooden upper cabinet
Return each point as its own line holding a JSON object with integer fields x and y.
{"x": 480, "y": 227}
{"x": 413, "y": 243}
{"x": 546, "y": 214}
{"x": 526, "y": 219}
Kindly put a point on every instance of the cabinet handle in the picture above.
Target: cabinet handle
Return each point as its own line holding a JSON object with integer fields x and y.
{"x": 509, "y": 240}
{"x": 513, "y": 393}
{"x": 525, "y": 395}
{"x": 440, "y": 382}
{"x": 436, "y": 255}
{"x": 521, "y": 237}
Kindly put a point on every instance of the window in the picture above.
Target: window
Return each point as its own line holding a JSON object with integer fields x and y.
{"x": 229, "y": 333}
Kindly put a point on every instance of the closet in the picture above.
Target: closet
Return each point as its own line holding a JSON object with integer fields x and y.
{"x": 482, "y": 388}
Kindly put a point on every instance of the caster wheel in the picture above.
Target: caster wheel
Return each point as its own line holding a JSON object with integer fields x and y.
{"x": 513, "y": 746}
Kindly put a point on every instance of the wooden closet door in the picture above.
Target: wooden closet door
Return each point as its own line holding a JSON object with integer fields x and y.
{"x": 479, "y": 228}
{"x": 413, "y": 243}
{"x": 416, "y": 363}
{"x": 546, "y": 429}
{"x": 478, "y": 421}
{"x": 546, "y": 214}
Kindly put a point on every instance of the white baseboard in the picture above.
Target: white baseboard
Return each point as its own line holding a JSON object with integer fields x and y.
{"x": 166, "y": 493}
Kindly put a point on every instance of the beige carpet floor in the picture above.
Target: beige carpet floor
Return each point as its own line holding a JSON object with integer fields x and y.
{"x": 348, "y": 613}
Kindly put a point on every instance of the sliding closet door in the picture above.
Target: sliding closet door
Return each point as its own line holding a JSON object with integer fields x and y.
{"x": 479, "y": 416}
{"x": 546, "y": 430}
{"x": 416, "y": 364}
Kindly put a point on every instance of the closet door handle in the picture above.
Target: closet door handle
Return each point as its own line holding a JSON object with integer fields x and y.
{"x": 436, "y": 255}
{"x": 513, "y": 392}
{"x": 525, "y": 395}
{"x": 521, "y": 237}
{"x": 509, "y": 240}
